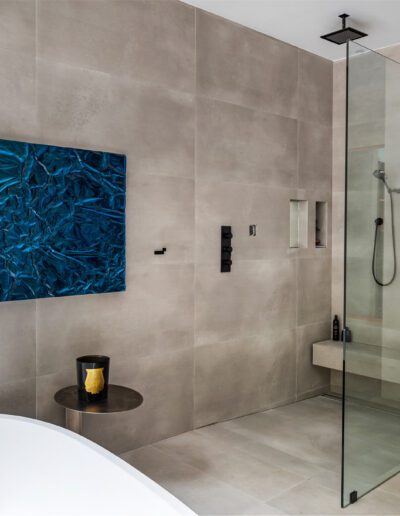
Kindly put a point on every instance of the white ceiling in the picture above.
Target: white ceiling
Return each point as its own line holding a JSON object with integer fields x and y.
{"x": 301, "y": 22}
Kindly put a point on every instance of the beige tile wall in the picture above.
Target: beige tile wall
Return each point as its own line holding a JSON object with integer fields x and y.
{"x": 221, "y": 125}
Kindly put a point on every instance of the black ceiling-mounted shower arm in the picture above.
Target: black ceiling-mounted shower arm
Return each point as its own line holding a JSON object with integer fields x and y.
{"x": 344, "y": 16}
{"x": 344, "y": 34}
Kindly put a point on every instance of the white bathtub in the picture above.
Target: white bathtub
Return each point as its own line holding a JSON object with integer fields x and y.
{"x": 47, "y": 470}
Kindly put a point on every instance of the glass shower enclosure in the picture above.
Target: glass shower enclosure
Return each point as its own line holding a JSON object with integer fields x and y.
{"x": 371, "y": 379}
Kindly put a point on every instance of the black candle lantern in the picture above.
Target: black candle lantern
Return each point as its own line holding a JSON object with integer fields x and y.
{"x": 92, "y": 374}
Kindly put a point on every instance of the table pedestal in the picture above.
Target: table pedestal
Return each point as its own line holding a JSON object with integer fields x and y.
{"x": 73, "y": 420}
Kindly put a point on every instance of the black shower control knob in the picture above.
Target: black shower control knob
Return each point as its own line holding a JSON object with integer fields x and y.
{"x": 227, "y": 262}
{"x": 227, "y": 249}
{"x": 227, "y": 235}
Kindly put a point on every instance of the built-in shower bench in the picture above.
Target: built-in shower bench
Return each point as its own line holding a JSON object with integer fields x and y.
{"x": 361, "y": 359}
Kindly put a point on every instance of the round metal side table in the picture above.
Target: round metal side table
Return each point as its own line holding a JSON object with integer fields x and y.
{"x": 119, "y": 399}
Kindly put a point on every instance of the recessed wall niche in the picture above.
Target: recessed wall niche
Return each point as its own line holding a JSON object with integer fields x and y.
{"x": 298, "y": 223}
{"x": 62, "y": 221}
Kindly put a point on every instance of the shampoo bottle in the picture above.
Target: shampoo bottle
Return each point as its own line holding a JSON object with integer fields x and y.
{"x": 335, "y": 328}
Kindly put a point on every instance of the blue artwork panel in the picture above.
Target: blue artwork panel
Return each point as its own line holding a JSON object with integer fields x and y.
{"x": 62, "y": 221}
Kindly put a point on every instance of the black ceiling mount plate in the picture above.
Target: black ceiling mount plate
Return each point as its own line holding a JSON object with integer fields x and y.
{"x": 344, "y": 34}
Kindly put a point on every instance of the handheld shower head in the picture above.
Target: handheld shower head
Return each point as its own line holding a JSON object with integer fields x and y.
{"x": 379, "y": 174}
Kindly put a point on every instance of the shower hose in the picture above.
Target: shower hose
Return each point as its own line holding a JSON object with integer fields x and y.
{"x": 379, "y": 222}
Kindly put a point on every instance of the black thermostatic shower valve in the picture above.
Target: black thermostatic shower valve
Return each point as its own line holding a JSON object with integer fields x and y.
{"x": 226, "y": 248}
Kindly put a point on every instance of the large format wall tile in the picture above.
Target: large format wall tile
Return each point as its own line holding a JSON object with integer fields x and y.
{"x": 314, "y": 290}
{"x": 17, "y": 89}
{"x": 256, "y": 296}
{"x": 245, "y": 67}
{"x": 18, "y": 26}
{"x": 153, "y": 316}
{"x": 339, "y": 94}
{"x": 153, "y": 126}
{"x": 315, "y": 156}
{"x": 244, "y": 375}
{"x": 166, "y": 383}
{"x": 18, "y": 398}
{"x": 17, "y": 341}
{"x": 315, "y": 89}
{"x": 310, "y": 378}
{"x": 160, "y": 213}
{"x": 147, "y": 40}
{"x": 121, "y": 78}
{"x": 245, "y": 145}
{"x": 240, "y": 205}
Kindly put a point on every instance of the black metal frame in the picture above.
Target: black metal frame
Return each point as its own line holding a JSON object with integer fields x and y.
{"x": 345, "y": 265}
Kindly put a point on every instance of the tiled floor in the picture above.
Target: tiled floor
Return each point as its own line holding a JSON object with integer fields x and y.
{"x": 282, "y": 461}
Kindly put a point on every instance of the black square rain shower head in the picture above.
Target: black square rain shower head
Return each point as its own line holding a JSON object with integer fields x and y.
{"x": 344, "y": 34}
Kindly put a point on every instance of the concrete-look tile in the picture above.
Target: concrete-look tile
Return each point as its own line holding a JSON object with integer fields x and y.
{"x": 223, "y": 436}
{"x": 238, "y": 144}
{"x": 337, "y": 286}
{"x": 366, "y": 134}
{"x": 308, "y": 498}
{"x": 315, "y": 156}
{"x": 314, "y": 290}
{"x": 18, "y": 26}
{"x": 248, "y": 374}
{"x": 309, "y": 377}
{"x": 153, "y": 126}
{"x": 338, "y": 225}
{"x": 17, "y": 85}
{"x": 147, "y": 40}
{"x": 73, "y": 107}
{"x": 338, "y": 159}
{"x": 361, "y": 163}
{"x": 159, "y": 130}
{"x": 315, "y": 88}
{"x": 46, "y": 386}
{"x": 17, "y": 341}
{"x": 392, "y": 485}
{"x": 201, "y": 492}
{"x": 393, "y": 52}
{"x": 154, "y": 315}
{"x": 245, "y": 67}
{"x": 312, "y": 498}
{"x": 306, "y": 430}
{"x": 160, "y": 213}
{"x": 18, "y": 398}
{"x": 257, "y": 296}
{"x": 339, "y": 94}
{"x": 363, "y": 295}
{"x": 366, "y": 97}
{"x": 255, "y": 476}
{"x": 239, "y": 205}
{"x": 166, "y": 382}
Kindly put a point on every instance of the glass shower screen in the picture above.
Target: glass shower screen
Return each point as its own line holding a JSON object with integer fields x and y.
{"x": 371, "y": 393}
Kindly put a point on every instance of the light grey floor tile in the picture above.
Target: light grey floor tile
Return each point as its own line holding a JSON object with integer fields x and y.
{"x": 255, "y": 476}
{"x": 196, "y": 488}
{"x": 282, "y": 461}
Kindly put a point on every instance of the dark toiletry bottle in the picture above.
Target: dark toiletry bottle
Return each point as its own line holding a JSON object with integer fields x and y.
{"x": 335, "y": 328}
{"x": 346, "y": 334}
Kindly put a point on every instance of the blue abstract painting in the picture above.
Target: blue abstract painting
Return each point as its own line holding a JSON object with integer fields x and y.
{"x": 62, "y": 221}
